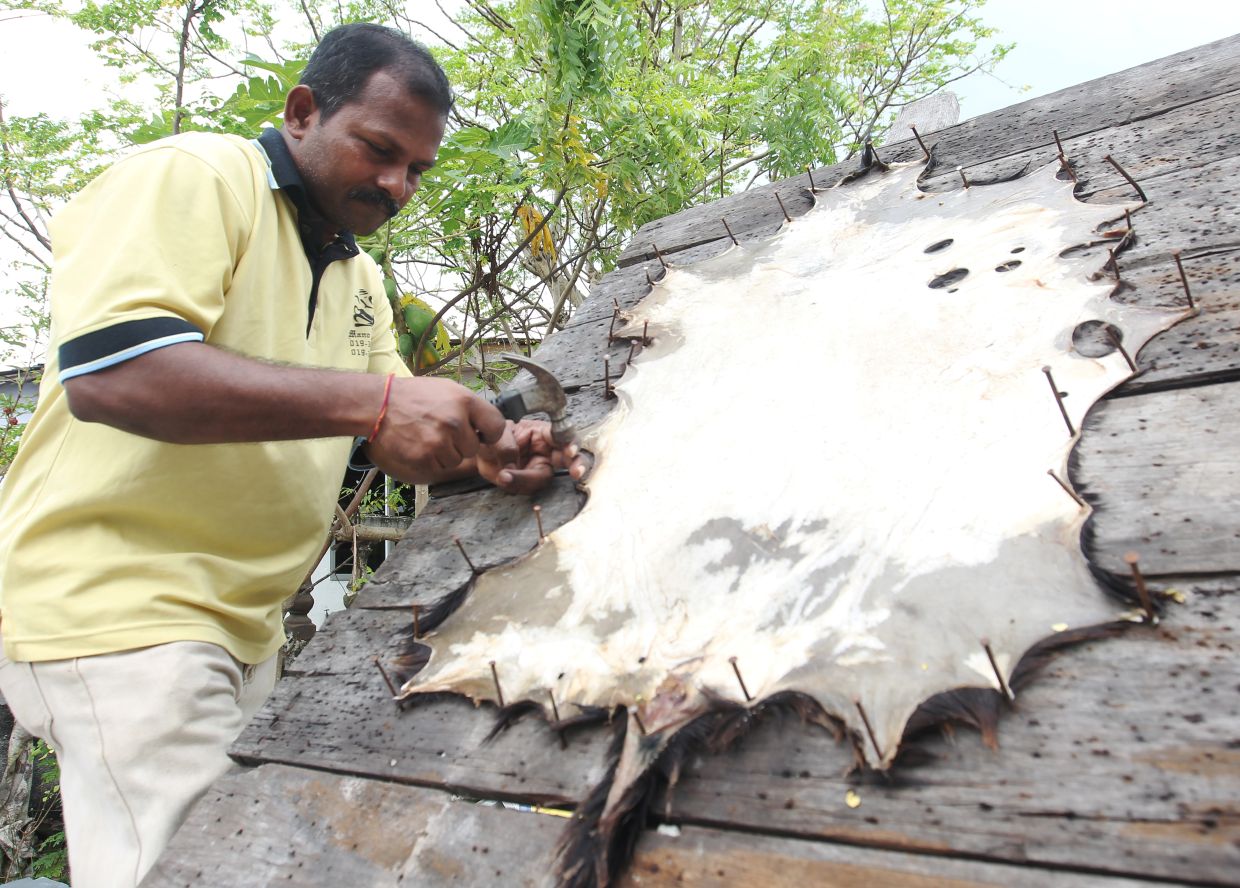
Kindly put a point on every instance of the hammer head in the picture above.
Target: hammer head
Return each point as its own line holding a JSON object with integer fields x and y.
{"x": 543, "y": 394}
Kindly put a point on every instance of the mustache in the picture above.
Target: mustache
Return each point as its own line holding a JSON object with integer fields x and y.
{"x": 376, "y": 197}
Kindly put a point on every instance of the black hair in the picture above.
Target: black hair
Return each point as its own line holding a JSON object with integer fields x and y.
{"x": 349, "y": 55}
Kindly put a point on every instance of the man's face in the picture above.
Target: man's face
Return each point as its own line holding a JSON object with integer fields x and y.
{"x": 363, "y": 163}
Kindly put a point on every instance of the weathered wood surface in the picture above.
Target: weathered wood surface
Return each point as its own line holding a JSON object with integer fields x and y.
{"x": 1121, "y": 758}
{"x": 1165, "y": 469}
{"x": 347, "y": 831}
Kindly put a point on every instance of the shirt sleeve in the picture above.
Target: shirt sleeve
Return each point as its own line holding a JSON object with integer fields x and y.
{"x": 145, "y": 254}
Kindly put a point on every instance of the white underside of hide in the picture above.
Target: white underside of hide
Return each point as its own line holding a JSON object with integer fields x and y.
{"x": 827, "y": 469}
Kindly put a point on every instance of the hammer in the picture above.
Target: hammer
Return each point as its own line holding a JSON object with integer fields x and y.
{"x": 542, "y": 392}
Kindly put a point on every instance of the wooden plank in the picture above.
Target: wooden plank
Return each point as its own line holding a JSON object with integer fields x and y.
{"x": 1121, "y": 756}
{"x": 289, "y": 826}
{"x": 279, "y": 825}
{"x": 1165, "y": 469}
{"x": 348, "y": 723}
{"x": 707, "y": 858}
{"x": 1137, "y": 94}
{"x": 493, "y": 526}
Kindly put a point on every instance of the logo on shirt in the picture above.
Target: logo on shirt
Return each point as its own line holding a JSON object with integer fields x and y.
{"x": 363, "y": 309}
{"x": 363, "y": 321}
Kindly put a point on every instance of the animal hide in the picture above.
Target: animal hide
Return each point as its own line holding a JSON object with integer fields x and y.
{"x": 826, "y": 477}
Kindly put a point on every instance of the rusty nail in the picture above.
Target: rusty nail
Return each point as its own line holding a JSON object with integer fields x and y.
{"x": 611, "y": 328}
{"x": 917, "y": 136}
{"x": 645, "y": 333}
{"x": 1132, "y": 559}
{"x": 963, "y": 179}
{"x": 499, "y": 692}
{"x": 637, "y": 718}
{"x": 538, "y": 519}
{"x": 782, "y": 208}
{"x": 737, "y": 670}
{"x": 608, "y": 392}
{"x": 632, "y": 349}
{"x": 990, "y": 655}
{"x": 387, "y": 681}
{"x": 1059, "y": 144}
{"x": 869, "y": 146}
{"x": 1059, "y": 396}
{"x": 1131, "y": 181}
{"x": 555, "y": 711}
{"x": 1128, "y": 219}
{"x": 1113, "y": 335}
{"x": 809, "y": 175}
{"x": 1066, "y": 489}
{"x": 1184, "y": 280}
{"x": 457, "y": 540}
{"x": 662, "y": 261}
{"x": 869, "y": 729}
{"x": 729, "y": 228}
{"x": 1067, "y": 168}
{"x": 1114, "y": 263}
{"x": 417, "y": 628}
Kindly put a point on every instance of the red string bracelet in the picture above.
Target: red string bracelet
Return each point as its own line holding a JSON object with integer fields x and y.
{"x": 387, "y": 394}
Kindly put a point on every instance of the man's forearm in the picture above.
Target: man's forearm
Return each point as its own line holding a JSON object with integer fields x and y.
{"x": 192, "y": 393}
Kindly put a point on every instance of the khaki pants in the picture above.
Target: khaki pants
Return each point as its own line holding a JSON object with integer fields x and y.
{"x": 139, "y": 735}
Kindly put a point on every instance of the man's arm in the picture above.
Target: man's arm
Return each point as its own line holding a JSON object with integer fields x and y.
{"x": 192, "y": 393}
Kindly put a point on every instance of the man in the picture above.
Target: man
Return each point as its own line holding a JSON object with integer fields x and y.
{"x": 219, "y": 344}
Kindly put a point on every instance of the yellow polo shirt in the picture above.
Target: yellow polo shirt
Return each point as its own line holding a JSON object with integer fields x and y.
{"x": 110, "y": 541}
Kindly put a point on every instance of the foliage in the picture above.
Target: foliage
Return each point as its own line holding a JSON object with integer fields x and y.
{"x": 52, "y": 856}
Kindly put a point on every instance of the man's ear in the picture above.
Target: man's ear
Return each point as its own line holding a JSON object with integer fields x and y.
{"x": 299, "y": 109}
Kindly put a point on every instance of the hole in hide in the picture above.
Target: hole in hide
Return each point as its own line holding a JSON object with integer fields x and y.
{"x": 1093, "y": 338}
{"x": 939, "y": 246}
{"x": 1019, "y": 250}
{"x": 946, "y": 280}
{"x": 1008, "y": 266}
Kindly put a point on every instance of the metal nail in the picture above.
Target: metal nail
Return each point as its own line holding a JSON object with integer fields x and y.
{"x": 1059, "y": 144}
{"x": 555, "y": 711}
{"x": 809, "y": 175}
{"x": 1132, "y": 559}
{"x": 1003, "y": 686}
{"x": 782, "y": 208}
{"x": 638, "y": 718}
{"x": 632, "y": 349}
{"x": 1113, "y": 335}
{"x": 1184, "y": 279}
{"x": 499, "y": 692}
{"x": 917, "y": 136}
{"x": 1067, "y": 168}
{"x": 1128, "y": 219}
{"x": 1114, "y": 263}
{"x": 1066, "y": 489}
{"x": 611, "y": 328}
{"x": 1059, "y": 396}
{"x": 737, "y": 670}
{"x": 457, "y": 540}
{"x": 963, "y": 178}
{"x": 386, "y": 680}
{"x": 869, "y": 729}
{"x": 645, "y": 333}
{"x": 608, "y": 392}
{"x": 538, "y": 519}
{"x": 869, "y": 146}
{"x": 1131, "y": 181}
{"x": 662, "y": 261}
{"x": 729, "y": 228}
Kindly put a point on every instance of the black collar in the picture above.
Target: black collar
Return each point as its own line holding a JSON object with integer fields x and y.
{"x": 287, "y": 179}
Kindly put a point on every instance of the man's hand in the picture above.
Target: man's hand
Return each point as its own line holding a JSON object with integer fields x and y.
{"x": 525, "y": 458}
{"x": 433, "y": 428}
